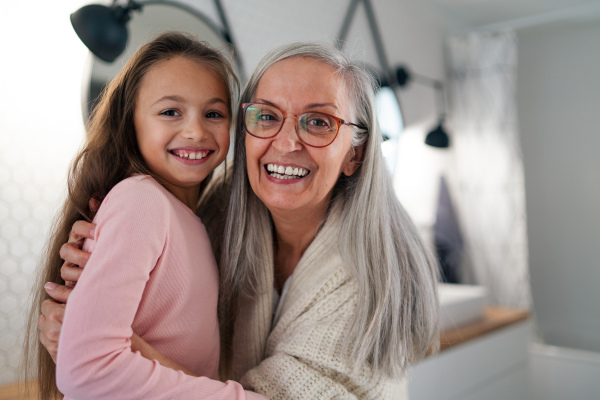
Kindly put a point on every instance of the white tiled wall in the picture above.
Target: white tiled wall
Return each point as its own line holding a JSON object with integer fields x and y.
{"x": 40, "y": 129}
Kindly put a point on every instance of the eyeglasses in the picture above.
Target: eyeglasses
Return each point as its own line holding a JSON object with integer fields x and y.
{"x": 315, "y": 129}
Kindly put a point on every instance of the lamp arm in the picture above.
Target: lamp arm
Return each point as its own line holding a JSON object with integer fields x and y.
{"x": 346, "y": 24}
{"x": 225, "y": 30}
{"x": 437, "y": 85}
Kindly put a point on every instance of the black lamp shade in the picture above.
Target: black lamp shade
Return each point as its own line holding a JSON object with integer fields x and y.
{"x": 438, "y": 137}
{"x": 102, "y": 29}
{"x": 402, "y": 76}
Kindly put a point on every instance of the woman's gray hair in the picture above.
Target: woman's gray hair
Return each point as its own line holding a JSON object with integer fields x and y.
{"x": 397, "y": 314}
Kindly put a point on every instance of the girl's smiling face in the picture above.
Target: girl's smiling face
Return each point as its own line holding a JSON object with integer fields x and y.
{"x": 181, "y": 121}
{"x": 295, "y": 86}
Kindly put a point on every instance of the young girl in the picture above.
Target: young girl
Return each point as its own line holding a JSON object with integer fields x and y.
{"x": 160, "y": 129}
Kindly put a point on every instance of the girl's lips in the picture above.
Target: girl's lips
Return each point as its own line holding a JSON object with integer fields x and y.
{"x": 191, "y": 156}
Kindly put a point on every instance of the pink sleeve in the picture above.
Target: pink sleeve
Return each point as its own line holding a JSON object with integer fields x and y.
{"x": 95, "y": 360}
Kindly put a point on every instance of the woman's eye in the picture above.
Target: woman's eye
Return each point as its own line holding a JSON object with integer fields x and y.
{"x": 318, "y": 122}
{"x": 267, "y": 117}
{"x": 171, "y": 113}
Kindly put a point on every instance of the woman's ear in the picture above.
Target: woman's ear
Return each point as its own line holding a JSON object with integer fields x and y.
{"x": 354, "y": 159}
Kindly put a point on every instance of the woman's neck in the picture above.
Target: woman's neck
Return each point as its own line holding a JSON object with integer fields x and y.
{"x": 294, "y": 232}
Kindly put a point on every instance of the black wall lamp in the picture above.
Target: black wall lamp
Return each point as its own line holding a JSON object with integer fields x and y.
{"x": 438, "y": 137}
{"x": 103, "y": 29}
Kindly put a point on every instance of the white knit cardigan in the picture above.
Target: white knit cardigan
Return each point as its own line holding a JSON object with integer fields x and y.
{"x": 302, "y": 357}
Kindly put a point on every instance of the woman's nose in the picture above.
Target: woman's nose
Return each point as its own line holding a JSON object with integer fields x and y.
{"x": 287, "y": 139}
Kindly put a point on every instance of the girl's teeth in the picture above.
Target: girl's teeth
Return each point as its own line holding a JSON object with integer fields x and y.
{"x": 191, "y": 155}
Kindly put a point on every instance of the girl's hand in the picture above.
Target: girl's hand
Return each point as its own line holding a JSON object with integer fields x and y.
{"x": 149, "y": 352}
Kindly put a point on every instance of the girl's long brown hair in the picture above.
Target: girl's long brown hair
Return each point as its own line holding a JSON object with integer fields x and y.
{"x": 110, "y": 154}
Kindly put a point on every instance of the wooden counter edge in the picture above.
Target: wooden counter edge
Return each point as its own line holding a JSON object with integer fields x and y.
{"x": 494, "y": 318}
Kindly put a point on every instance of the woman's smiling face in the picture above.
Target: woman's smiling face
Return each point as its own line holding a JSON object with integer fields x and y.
{"x": 295, "y": 86}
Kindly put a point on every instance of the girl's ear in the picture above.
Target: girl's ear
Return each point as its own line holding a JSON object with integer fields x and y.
{"x": 354, "y": 159}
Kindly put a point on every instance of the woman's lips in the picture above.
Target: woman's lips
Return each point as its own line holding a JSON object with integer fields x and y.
{"x": 283, "y": 172}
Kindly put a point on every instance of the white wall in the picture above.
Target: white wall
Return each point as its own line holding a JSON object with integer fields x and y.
{"x": 558, "y": 94}
{"x": 40, "y": 128}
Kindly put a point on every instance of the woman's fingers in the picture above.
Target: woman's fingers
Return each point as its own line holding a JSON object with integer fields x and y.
{"x": 82, "y": 230}
{"x": 50, "y": 345}
{"x": 59, "y": 293}
{"x": 70, "y": 274}
{"x": 73, "y": 255}
{"x": 49, "y": 325}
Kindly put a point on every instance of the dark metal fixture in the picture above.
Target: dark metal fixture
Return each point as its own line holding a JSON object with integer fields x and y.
{"x": 103, "y": 29}
{"x": 438, "y": 137}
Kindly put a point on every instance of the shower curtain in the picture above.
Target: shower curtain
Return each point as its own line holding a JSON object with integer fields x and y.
{"x": 486, "y": 168}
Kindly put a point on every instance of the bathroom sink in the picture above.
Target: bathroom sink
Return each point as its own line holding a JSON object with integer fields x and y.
{"x": 460, "y": 304}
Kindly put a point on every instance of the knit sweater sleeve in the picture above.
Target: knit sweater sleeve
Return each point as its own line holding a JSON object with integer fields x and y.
{"x": 95, "y": 360}
{"x": 305, "y": 354}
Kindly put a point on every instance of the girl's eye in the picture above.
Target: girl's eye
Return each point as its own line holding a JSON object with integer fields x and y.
{"x": 214, "y": 114}
{"x": 171, "y": 113}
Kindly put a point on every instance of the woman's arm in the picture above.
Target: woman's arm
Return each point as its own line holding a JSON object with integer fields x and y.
{"x": 52, "y": 311}
{"x": 306, "y": 355}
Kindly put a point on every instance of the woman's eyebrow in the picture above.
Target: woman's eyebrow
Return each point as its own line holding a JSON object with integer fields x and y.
{"x": 311, "y": 105}
{"x": 319, "y": 105}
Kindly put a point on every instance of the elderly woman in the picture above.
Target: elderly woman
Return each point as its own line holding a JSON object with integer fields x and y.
{"x": 326, "y": 288}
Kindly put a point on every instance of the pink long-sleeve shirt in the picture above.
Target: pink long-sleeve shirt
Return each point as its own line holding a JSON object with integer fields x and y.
{"x": 151, "y": 272}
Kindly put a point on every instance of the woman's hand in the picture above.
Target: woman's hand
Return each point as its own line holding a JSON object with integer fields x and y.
{"x": 49, "y": 324}
{"x": 53, "y": 311}
{"x": 75, "y": 258}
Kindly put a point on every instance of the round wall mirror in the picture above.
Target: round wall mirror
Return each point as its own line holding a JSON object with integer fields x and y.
{"x": 153, "y": 19}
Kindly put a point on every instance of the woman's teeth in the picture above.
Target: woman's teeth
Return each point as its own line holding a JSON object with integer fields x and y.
{"x": 190, "y": 155}
{"x": 281, "y": 172}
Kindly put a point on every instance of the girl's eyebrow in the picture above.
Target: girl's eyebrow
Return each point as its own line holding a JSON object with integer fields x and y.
{"x": 180, "y": 99}
{"x": 177, "y": 99}
{"x": 216, "y": 100}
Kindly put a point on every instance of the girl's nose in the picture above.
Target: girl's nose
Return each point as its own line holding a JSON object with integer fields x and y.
{"x": 194, "y": 129}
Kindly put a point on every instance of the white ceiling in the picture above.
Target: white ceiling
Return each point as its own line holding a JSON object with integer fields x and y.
{"x": 480, "y": 13}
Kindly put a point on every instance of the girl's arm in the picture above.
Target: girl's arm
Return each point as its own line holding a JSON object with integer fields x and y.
{"x": 50, "y": 321}
{"x": 94, "y": 358}
{"x": 149, "y": 352}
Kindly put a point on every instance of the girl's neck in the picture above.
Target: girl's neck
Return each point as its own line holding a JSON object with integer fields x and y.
{"x": 294, "y": 232}
{"x": 187, "y": 195}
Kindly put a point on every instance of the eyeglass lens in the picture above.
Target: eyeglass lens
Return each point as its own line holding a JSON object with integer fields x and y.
{"x": 314, "y": 128}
